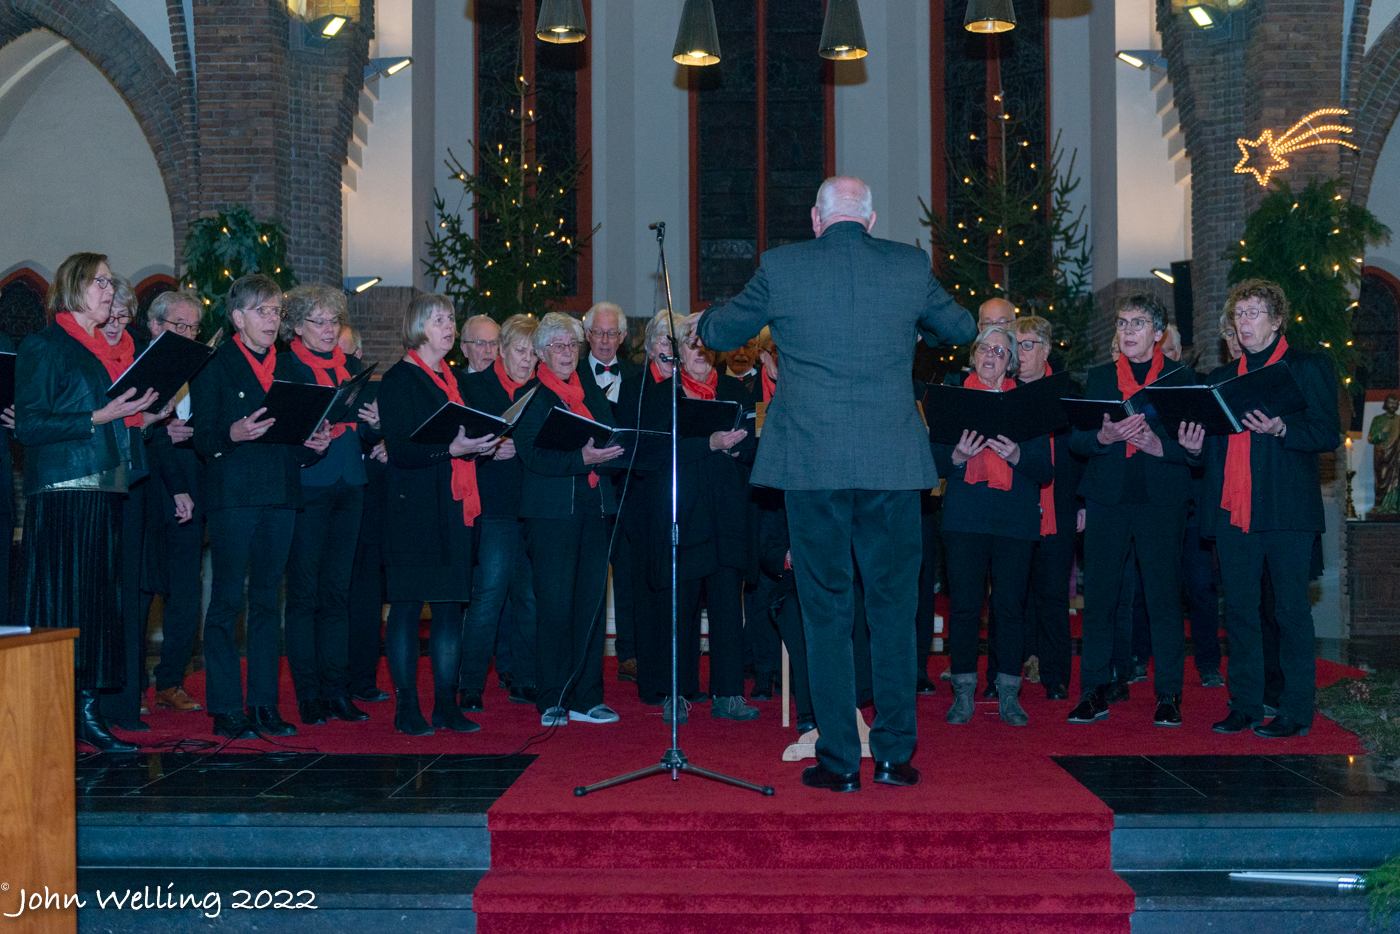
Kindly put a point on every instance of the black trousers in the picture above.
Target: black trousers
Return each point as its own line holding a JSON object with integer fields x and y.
{"x": 319, "y": 566}
{"x": 1198, "y": 573}
{"x": 1243, "y": 558}
{"x": 761, "y": 640}
{"x": 624, "y": 584}
{"x": 833, "y": 533}
{"x": 970, "y": 557}
{"x": 1155, "y": 532}
{"x": 500, "y": 549}
{"x": 1046, "y": 625}
{"x": 444, "y": 645}
{"x": 571, "y": 560}
{"x": 787, "y": 617}
{"x": 653, "y": 641}
{"x": 179, "y": 620}
{"x": 245, "y": 543}
{"x": 125, "y": 707}
{"x": 365, "y": 609}
{"x": 721, "y": 594}
{"x": 1268, "y": 628}
{"x": 924, "y": 619}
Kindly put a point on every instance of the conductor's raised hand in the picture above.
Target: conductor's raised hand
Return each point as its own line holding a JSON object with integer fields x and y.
{"x": 249, "y": 428}
{"x": 1191, "y": 436}
{"x": 124, "y": 405}
{"x": 596, "y": 455}
{"x": 968, "y": 447}
{"x": 724, "y": 440}
{"x": 1113, "y": 432}
{"x": 321, "y": 440}
{"x": 462, "y": 446}
{"x": 1005, "y": 448}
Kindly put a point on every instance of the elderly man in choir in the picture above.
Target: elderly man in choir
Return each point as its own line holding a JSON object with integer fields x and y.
{"x": 480, "y": 343}
{"x": 605, "y": 326}
{"x": 742, "y": 364}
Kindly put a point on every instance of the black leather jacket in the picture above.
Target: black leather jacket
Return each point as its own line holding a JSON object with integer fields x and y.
{"x": 58, "y": 385}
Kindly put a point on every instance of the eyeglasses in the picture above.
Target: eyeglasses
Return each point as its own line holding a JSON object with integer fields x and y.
{"x": 611, "y": 334}
{"x": 564, "y": 346}
{"x": 1028, "y": 345}
{"x": 102, "y": 282}
{"x": 1132, "y": 324}
{"x": 123, "y": 317}
{"x": 273, "y": 312}
{"x": 1250, "y": 314}
{"x": 483, "y": 345}
{"x": 322, "y": 322}
{"x": 990, "y": 350}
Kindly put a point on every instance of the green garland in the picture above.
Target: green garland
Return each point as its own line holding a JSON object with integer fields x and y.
{"x": 230, "y": 244}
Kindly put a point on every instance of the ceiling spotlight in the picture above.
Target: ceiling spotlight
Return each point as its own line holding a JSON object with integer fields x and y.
{"x": 1165, "y": 276}
{"x": 1202, "y": 16}
{"x": 697, "y": 40}
{"x": 359, "y": 283}
{"x": 843, "y": 36}
{"x": 990, "y": 16}
{"x": 561, "y": 22}
{"x": 388, "y": 67}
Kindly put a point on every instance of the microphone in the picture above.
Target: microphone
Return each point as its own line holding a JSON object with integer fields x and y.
{"x": 658, "y": 225}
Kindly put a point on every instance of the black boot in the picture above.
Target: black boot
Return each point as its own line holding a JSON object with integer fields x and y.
{"x": 91, "y": 728}
{"x": 407, "y": 717}
{"x": 447, "y": 714}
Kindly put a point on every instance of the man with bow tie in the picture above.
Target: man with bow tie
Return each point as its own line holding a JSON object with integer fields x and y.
{"x": 606, "y": 328}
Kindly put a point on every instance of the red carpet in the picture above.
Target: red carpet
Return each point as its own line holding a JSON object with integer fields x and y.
{"x": 996, "y": 830}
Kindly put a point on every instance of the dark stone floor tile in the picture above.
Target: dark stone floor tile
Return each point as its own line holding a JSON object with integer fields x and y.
{"x": 370, "y": 763}
{"x": 1232, "y": 785}
{"x": 435, "y": 784}
{"x": 1245, "y": 763}
{"x": 208, "y": 783}
{"x": 516, "y": 763}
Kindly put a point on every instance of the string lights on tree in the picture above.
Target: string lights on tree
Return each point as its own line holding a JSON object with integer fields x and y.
{"x": 1264, "y": 156}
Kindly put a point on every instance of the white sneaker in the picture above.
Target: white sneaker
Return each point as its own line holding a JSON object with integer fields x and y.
{"x": 554, "y": 716}
{"x": 600, "y": 714}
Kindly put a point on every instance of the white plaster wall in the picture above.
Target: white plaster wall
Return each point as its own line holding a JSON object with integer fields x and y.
{"x": 1382, "y": 14}
{"x": 454, "y": 103}
{"x": 1384, "y": 202}
{"x": 76, "y": 172}
{"x": 151, "y": 17}
{"x": 882, "y": 117}
{"x": 1069, "y": 93}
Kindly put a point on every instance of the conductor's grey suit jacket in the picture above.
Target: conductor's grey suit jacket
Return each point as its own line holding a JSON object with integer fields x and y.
{"x": 844, "y": 310}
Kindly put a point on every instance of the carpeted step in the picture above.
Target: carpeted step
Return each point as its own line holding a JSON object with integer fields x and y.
{"x": 802, "y": 901}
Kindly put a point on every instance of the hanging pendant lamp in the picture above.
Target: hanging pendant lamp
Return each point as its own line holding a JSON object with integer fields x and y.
{"x": 843, "y": 37}
{"x": 989, "y": 16}
{"x": 561, "y": 22}
{"x": 697, "y": 41}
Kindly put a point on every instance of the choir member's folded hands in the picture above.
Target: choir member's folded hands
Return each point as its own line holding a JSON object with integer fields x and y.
{"x": 1005, "y": 448}
{"x": 1113, "y": 432}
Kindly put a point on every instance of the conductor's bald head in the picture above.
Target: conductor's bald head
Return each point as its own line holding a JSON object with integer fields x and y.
{"x": 842, "y": 198}
{"x": 995, "y": 311}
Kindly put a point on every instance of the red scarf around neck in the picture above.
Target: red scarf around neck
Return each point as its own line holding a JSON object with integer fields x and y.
{"x": 656, "y": 374}
{"x": 463, "y": 471}
{"x": 1128, "y": 385}
{"x": 770, "y": 385}
{"x": 262, "y": 370}
{"x": 571, "y": 394}
{"x": 508, "y": 384}
{"x": 115, "y": 358}
{"x": 321, "y": 368}
{"x": 697, "y": 389}
{"x": 1047, "y": 491}
{"x": 1237, "y": 494}
{"x": 987, "y": 467}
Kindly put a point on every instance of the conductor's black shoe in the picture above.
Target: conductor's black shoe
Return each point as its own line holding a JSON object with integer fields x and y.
{"x": 234, "y": 726}
{"x": 312, "y": 712}
{"x": 1115, "y": 692}
{"x": 806, "y": 725}
{"x": 343, "y": 708}
{"x": 523, "y": 694}
{"x": 1236, "y": 722}
{"x": 1056, "y": 692}
{"x": 1281, "y": 727}
{"x": 990, "y": 691}
{"x": 267, "y": 721}
{"x": 819, "y": 776}
{"x": 1168, "y": 711}
{"x": 370, "y": 695}
{"x": 1091, "y": 708}
{"x": 896, "y": 773}
{"x": 471, "y": 703}
{"x": 925, "y": 685}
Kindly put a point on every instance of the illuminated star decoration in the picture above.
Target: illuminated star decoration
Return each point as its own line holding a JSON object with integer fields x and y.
{"x": 1264, "y": 156}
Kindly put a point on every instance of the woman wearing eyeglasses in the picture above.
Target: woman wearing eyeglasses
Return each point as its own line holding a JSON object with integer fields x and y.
{"x": 564, "y": 502}
{"x": 433, "y": 504}
{"x": 991, "y": 522}
{"x": 77, "y": 466}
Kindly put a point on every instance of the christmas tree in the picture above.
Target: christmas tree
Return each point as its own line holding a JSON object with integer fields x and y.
{"x": 231, "y": 244}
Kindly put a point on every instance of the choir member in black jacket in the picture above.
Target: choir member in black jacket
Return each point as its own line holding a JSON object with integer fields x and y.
{"x": 500, "y": 539}
{"x": 991, "y": 521}
{"x": 564, "y": 503}
{"x": 77, "y": 466}
{"x": 1265, "y": 505}
{"x": 252, "y": 492}
{"x": 1136, "y": 486}
{"x": 323, "y": 543}
{"x": 433, "y": 503}
{"x": 1061, "y": 519}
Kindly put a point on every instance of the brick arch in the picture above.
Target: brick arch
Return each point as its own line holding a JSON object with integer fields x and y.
{"x": 155, "y": 95}
{"x": 1377, "y": 103}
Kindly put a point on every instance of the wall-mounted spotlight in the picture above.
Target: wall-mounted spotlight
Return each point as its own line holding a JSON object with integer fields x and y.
{"x": 318, "y": 33}
{"x": 359, "y": 283}
{"x": 697, "y": 40}
{"x": 561, "y": 22}
{"x": 388, "y": 67}
{"x": 1201, "y": 16}
{"x": 1143, "y": 59}
{"x": 990, "y": 16}
{"x": 843, "y": 36}
{"x": 1165, "y": 276}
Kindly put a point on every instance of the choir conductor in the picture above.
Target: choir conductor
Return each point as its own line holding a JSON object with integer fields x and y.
{"x": 844, "y": 439}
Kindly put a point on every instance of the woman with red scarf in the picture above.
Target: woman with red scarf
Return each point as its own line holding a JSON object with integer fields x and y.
{"x": 433, "y": 505}
{"x": 77, "y": 466}
{"x": 991, "y": 521}
{"x": 1264, "y": 501}
{"x": 317, "y": 618}
{"x": 565, "y": 503}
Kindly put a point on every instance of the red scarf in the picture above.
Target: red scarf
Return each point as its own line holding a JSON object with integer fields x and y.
{"x": 1047, "y": 492}
{"x": 571, "y": 394}
{"x": 698, "y": 390}
{"x": 115, "y": 358}
{"x": 321, "y": 368}
{"x": 1127, "y": 385}
{"x": 656, "y": 373}
{"x": 770, "y": 385}
{"x": 1237, "y": 494}
{"x": 463, "y": 471}
{"x": 987, "y": 467}
{"x": 263, "y": 371}
{"x": 509, "y": 385}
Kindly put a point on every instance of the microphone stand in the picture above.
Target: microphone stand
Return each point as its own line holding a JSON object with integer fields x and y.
{"x": 673, "y": 760}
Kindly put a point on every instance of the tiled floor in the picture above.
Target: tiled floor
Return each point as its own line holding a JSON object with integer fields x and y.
{"x": 1236, "y": 784}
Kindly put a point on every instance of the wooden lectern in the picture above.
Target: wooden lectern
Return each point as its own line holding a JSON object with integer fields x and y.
{"x": 38, "y": 817}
